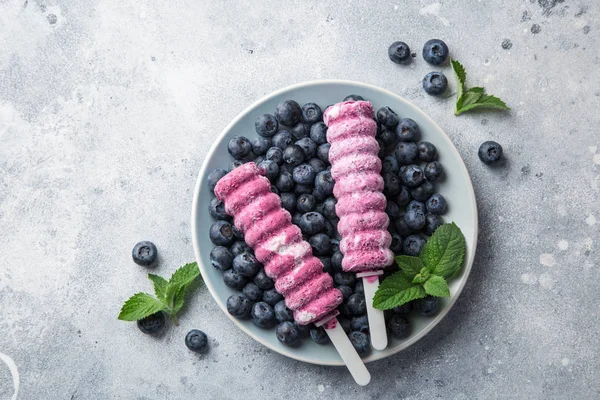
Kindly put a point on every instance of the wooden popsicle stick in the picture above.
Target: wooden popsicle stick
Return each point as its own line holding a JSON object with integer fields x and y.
{"x": 377, "y": 328}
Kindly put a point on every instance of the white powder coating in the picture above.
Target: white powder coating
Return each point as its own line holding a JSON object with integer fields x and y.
{"x": 565, "y": 362}
{"x": 529, "y": 279}
{"x": 590, "y": 220}
{"x": 434, "y": 9}
{"x": 547, "y": 281}
{"x": 547, "y": 259}
{"x": 563, "y": 245}
{"x": 320, "y": 388}
{"x": 597, "y": 158}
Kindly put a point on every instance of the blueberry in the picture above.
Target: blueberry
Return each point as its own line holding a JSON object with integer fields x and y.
{"x": 403, "y": 309}
{"x": 221, "y": 233}
{"x": 282, "y": 313}
{"x": 221, "y": 258}
{"x": 282, "y": 139}
{"x": 346, "y": 291}
{"x": 329, "y": 208}
{"x": 435, "y": 83}
{"x": 300, "y": 130}
{"x": 391, "y": 184}
{"x": 381, "y": 153}
{"x": 344, "y": 278}
{"x": 272, "y": 296}
{"x": 288, "y": 113}
{"x": 293, "y": 155}
{"x": 266, "y": 125}
{"x": 304, "y": 174}
{"x": 270, "y": 169}
{"x": 427, "y": 151}
{"x": 296, "y": 217}
{"x": 387, "y": 117}
{"x": 435, "y": 52}
{"x": 326, "y": 261}
{"x": 415, "y": 219}
{"x": 345, "y": 324}
{"x": 288, "y": 201}
{"x": 252, "y": 292}
{"x": 286, "y": 168}
{"x": 306, "y": 203}
{"x": 343, "y": 309}
{"x": 312, "y": 223}
{"x": 263, "y": 281}
{"x": 246, "y": 264}
{"x": 259, "y": 159}
{"x": 237, "y": 234}
{"x": 403, "y": 198}
{"x": 260, "y": 145}
{"x": 412, "y": 176}
{"x": 361, "y": 342}
{"x": 239, "y": 147}
{"x": 432, "y": 222}
{"x": 433, "y": 170}
{"x": 360, "y": 323}
{"x": 262, "y": 315}
{"x": 234, "y": 164}
{"x": 399, "y": 327}
{"x": 392, "y": 210}
{"x": 234, "y": 280}
{"x": 284, "y": 182}
{"x": 390, "y": 164}
{"x": 239, "y": 305}
{"x": 427, "y": 306}
{"x": 406, "y": 153}
{"x": 214, "y": 177}
{"x": 318, "y": 335}
{"x": 336, "y": 261}
{"x": 359, "y": 287}
{"x": 152, "y": 324}
{"x": 353, "y": 97}
{"x": 321, "y": 244}
{"x": 303, "y": 330}
{"x": 288, "y": 334}
{"x": 329, "y": 231}
{"x": 396, "y": 245}
{"x": 323, "y": 152}
{"x": 317, "y": 165}
{"x": 357, "y": 304}
{"x": 490, "y": 152}
{"x": 196, "y": 340}
{"x": 274, "y": 190}
{"x": 311, "y": 113}
{"x": 399, "y": 52}
{"x": 275, "y": 154}
{"x": 407, "y": 130}
{"x": 324, "y": 183}
{"x": 239, "y": 247}
{"x": 388, "y": 137}
{"x": 318, "y": 133}
{"x": 422, "y": 192}
{"x": 144, "y": 253}
{"x": 416, "y": 205}
{"x": 436, "y": 204}
{"x": 401, "y": 227}
{"x": 413, "y": 245}
{"x": 309, "y": 147}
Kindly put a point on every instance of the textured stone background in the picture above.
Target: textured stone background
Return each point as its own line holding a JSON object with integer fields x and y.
{"x": 108, "y": 107}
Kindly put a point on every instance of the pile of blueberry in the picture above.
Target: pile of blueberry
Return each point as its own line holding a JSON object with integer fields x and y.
{"x": 292, "y": 150}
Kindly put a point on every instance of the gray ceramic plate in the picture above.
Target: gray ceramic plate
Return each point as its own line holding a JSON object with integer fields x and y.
{"x": 457, "y": 189}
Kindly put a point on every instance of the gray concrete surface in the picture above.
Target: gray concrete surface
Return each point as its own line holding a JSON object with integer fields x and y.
{"x": 108, "y": 107}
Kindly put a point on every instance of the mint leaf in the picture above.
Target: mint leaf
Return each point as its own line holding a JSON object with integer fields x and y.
{"x": 179, "y": 299}
{"x": 160, "y": 286}
{"x": 395, "y": 291}
{"x": 461, "y": 77}
{"x": 444, "y": 252}
{"x": 410, "y": 265}
{"x": 419, "y": 278}
{"x": 139, "y": 306}
{"x": 180, "y": 278}
{"x": 436, "y": 286}
{"x": 471, "y": 96}
{"x": 487, "y": 102}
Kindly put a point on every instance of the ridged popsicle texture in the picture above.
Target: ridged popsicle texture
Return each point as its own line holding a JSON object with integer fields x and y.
{"x": 278, "y": 244}
{"x": 356, "y": 167}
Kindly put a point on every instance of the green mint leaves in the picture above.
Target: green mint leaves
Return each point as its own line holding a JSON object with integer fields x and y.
{"x": 473, "y": 98}
{"x": 441, "y": 258}
{"x": 170, "y": 295}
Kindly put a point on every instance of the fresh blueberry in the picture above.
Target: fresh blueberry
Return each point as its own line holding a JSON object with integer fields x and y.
{"x": 359, "y": 287}
{"x": 324, "y": 183}
{"x": 353, "y": 97}
{"x": 282, "y": 139}
{"x": 237, "y": 234}
{"x": 234, "y": 164}
{"x": 144, "y": 253}
{"x": 288, "y": 201}
{"x": 388, "y": 137}
{"x": 239, "y": 147}
{"x": 214, "y": 177}
{"x": 319, "y": 197}
{"x": 293, "y": 155}
{"x": 323, "y": 152}
{"x": 196, "y": 340}
{"x": 252, "y": 292}
{"x": 427, "y": 151}
{"x": 336, "y": 261}
{"x": 304, "y": 174}
{"x": 412, "y": 176}
{"x": 234, "y": 280}
{"x": 304, "y": 330}
{"x": 346, "y": 291}
{"x": 413, "y": 245}
{"x": 287, "y": 168}
{"x": 259, "y": 159}
{"x": 415, "y": 220}
{"x": 396, "y": 245}
{"x": 221, "y": 233}
{"x": 360, "y": 323}
{"x": 401, "y": 227}
{"x": 329, "y": 208}
{"x": 399, "y": 327}
{"x": 406, "y": 153}
{"x": 391, "y": 184}
{"x": 335, "y": 244}
{"x": 275, "y": 154}
{"x": 288, "y": 334}
{"x": 300, "y": 130}
{"x": 317, "y": 165}
{"x": 433, "y": 170}
{"x": 326, "y": 261}
{"x": 361, "y": 342}
{"x": 321, "y": 244}
{"x": 387, "y": 117}
{"x": 309, "y": 147}
{"x": 329, "y": 231}
{"x": 284, "y": 182}
{"x": 435, "y": 52}
{"x": 390, "y": 164}
{"x": 318, "y": 335}
{"x": 345, "y": 324}
{"x": 357, "y": 304}
{"x": 318, "y": 133}
{"x": 263, "y": 281}
{"x": 436, "y": 204}
{"x": 490, "y": 152}
{"x": 381, "y": 153}
{"x": 423, "y": 191}
{"x": 392, "y": 209}
{"x": 305, "y": 203}
{"x": 344, "y": 278}
{"x": 399, "y": 52}
{"x": 282, "y": 313}
{"x": 270, "y": 169}
{"x": 407, "y": 130}
{"x": 296, "y": 217}
{"x": 272, "y": 296}
{"x": 311, "y": 113}
{"x": 312, "y": 223}
{"x": 343, "y": 309}
{"x": 416, "y": 205}
{"x": 262, "y": 315}
{"x": 435, "y": 83}
{"x": 403, "y": 198}
{"x": 260, "y": 145}
{"x": 239, "y": 305}
{"x": 432, "y": 222}
{"x": 221, "y": 258}
{"x": 238, "y": 247}
{"x": 152, "y": 324}
{"x": 403, "y": 309}
{"x": 266, "y": 125}
{"x": 288, "y": 113}
{"x": 274, "y": 190}
{"x": 427, "y": 306}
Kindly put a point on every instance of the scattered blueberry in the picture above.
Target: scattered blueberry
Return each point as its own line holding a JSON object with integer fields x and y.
{"x": 412, "y": 176}
{"x": 359, "y": 287}
{"x": 326, "y": 261}
{"x": 221, "y": 233}
{"x": 301, "y": 130}
{"x": 423, "y": 191}
{"x": 381, "y": 153}
{"x": 427, "y": 306}
{"x": 323, "y": 152}
{"x": 275, "y": 190}
{"x": 433, "y": 170}
{"x": 293, "y": 155}
{"x": 435, "y": 52}
{"x": 259, "y": 159}
{"x": 399, "y": 327}
{"x": 392, "y": 209}
{"x": 490, "y": 152}
{"x": 406, "y": 153}
{"x": 435, "y": 83}
{"x": 390, "y": 164}
{"x": 396, "y": 245}
{"x": 329, "y": 208}
{"x": 391, "y": 184}
{"x": 336, "y": 261}
{"x": 360, "y": 323}
{"x": 353, "y": 97}
{"x": 152, "y": 324}
{"x": 303, "y": 174}
{"x": 432, "y": 222}
{"x": 436, "y": 204}
{"x": 324, "y": 183}
{"x": 284, "y": 182}
{"x": 144, "y": 253}
{"x": 401, "y": 227}
{"x": 270, "y": 169}
{"x": 427, "y": 151}
{"x": 262, "y": 315}
{"x": 288, "y": 334}
{"x": 416, "y": 205}
{"x": 318, "y": 133}
{"x": 312, "y": 223}
{"x": 282, "y": 313}
{"x": 346, "y": 291}
{"x": 239, "y": 147}
{"x": 399, "y": 52}
{"x": 221, "y": 258}
{"x": 272, "y": 296}
{"x": 357, "y": 304}
{"x": 288, "y": 113}
{"x": 309, "y": 147}
{"x": 239, "y": 305}
{"x": 329, "y": 231}
{"x": 263, "y": 281}
{"x": 311, "y": 113}
{"x": 266, "y": 125}
{"x": 252, "y": 292}
{"x": 260, "y": 145}
{"x": 317, "y": 165}
{"x": 413, "y": 245}
{"x": 403, "y": 198}
{"x": 304, "y": 330}
{"x": 234, "y": 280}
{"x": 407, "y": 130}
{"x": 387, "y": 137}
{"x": 388, "y": 118}
{"x": 282, "y": 139}
{"x": 305, "y": 203}
{"x": 275, "y": 154}
{"x": 318, "y": 335}
{"x": 196, "y": 340}
{"x": 296, "y": 218}
{"x": 361, "y": 342}
{"x": 344, "y": 278}
{"x": 321, "y": 244}
{"x": 237, "y": 234}
{"x": 403, "y": 309}
{"x": 234, "y": 164}
{"x": 214, "y": 177}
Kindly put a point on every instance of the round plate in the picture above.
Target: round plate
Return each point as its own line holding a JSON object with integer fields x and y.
{"x": 456, "y": 188}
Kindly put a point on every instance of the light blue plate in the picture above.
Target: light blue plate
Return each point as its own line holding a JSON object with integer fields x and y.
{"x": 457, "y": 189}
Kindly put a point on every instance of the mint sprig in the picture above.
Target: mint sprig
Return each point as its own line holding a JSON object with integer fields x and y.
{"x": 441, "y": 258}
{"x": 475, "y": 97}
{"x": 170, "y": 295}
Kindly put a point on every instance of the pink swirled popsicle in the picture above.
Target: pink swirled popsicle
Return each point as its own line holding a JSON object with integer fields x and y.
{"x": 356, "y": 168}
{"x": 287, "y": 258}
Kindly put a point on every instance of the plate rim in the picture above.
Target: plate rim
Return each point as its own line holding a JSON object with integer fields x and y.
{"x": 195, "y": 240}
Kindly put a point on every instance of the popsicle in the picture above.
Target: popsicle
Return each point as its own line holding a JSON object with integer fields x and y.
{"x": 356, "y": 167}
{"x": 287, "y": 258}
